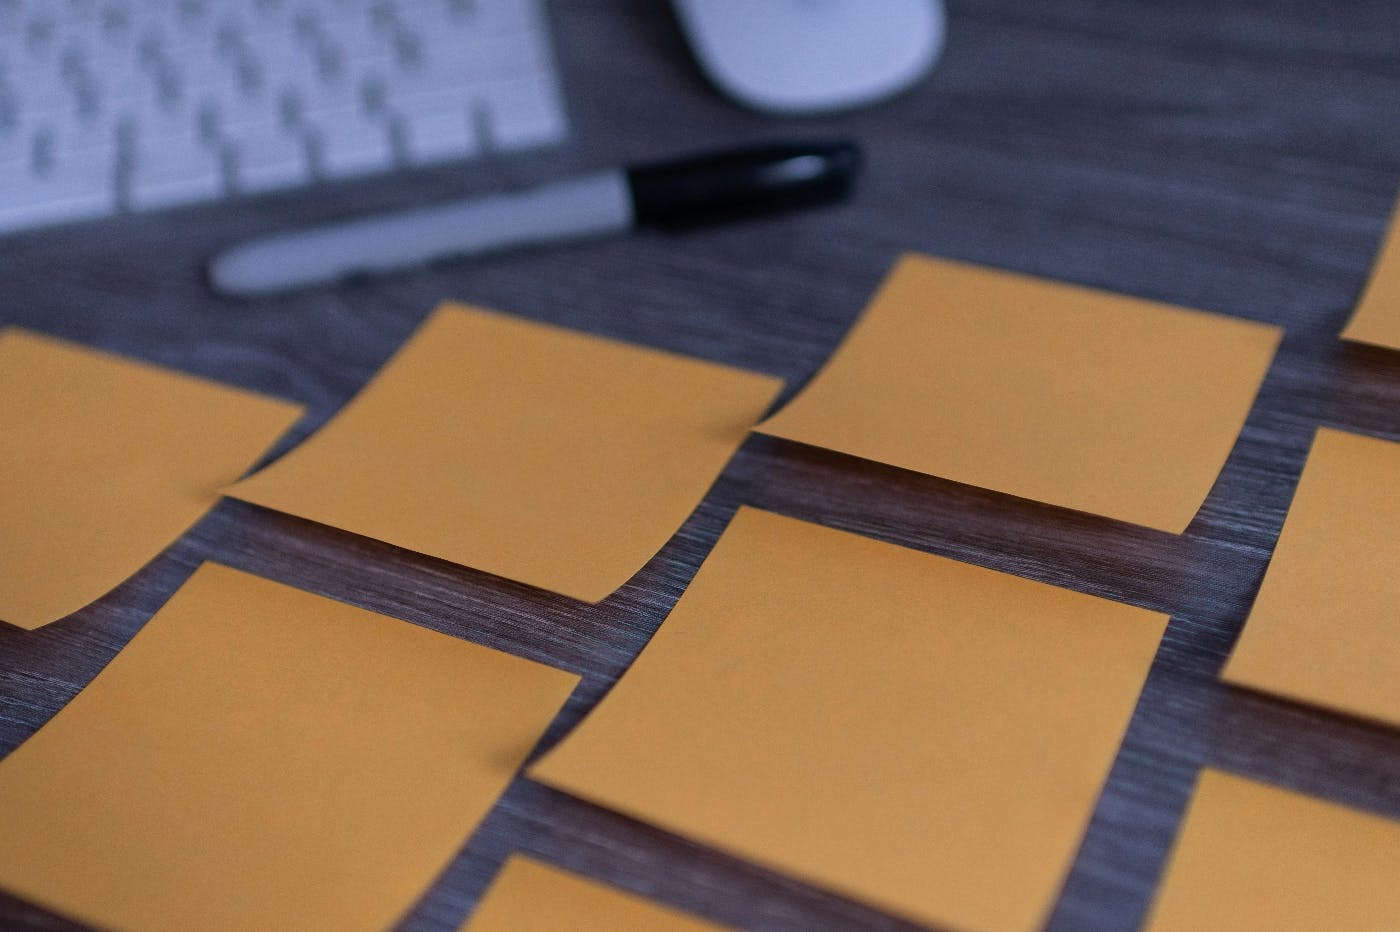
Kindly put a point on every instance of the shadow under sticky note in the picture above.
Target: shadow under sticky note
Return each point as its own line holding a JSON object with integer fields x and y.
{"x": 1377, "y": 316}
{"x": 554, "y": 458}
{"x": 1255, "y": 858}
{"x": 263, "y": 758}
{"x": 528, "y": 896}
{"x": 920, "y": 734}
{"x": 104, "y": 462}
{"x": 1061, "y": 394}
{"x": 1325, "y": 627}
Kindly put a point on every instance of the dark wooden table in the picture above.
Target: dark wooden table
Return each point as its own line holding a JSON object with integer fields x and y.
{"x": 1237, "y": 156}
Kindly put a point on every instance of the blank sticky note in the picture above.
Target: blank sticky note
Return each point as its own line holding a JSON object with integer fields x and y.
{"x": 1377, "y": 316}
{"x": 104, "y": 462}
{"x": 923, "y": 735}
{"x": 263, "y": 758}
{"x": 1255, "y": 858}
{"x": 1325, "y": 627}
{"x": 1094, "y": 401}
{"x": 555, "y": 458}
{"x": 528, "y": 896}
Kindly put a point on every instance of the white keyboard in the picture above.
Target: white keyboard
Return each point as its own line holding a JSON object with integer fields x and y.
{"x": 115, "y": 105}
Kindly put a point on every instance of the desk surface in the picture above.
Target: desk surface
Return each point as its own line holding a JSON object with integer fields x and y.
{"x": 1240, "y": 157}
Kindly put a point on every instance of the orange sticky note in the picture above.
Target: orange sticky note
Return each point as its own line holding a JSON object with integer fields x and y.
{"x": 1094, "y": 401}
{"x": 1255, "y": 858}
{"x": 923, "y": 735}
{"x": 528, "y": 896}
{"x": 1325, "y": 627}
{"x": 551, "y": 457}
{"x": 1377, "y": 317}
{"x": 263, "y": 758}
{"x": 104, "y": 462}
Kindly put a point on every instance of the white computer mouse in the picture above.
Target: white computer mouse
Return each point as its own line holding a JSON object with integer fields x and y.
{"x": 794, "y": 57}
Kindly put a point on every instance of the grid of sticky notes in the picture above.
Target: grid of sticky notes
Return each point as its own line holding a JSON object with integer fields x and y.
{"x": 104, "y": 462}
{"x": 528, "y": 896}
{"x": 1325, "y": 628}
{"x": 1093, "y": 401}
{"x": 869, "y": 718}
{"x": 555, "y": 458}
{"x": 262, "y": 758}
{"x": 862, "y": 716}
{"x": 1376, "y": 319}
{"x": 1255, "y": 858}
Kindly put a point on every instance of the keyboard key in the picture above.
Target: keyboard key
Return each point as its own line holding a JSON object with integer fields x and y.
{"x": 161, "y": 177}
{"x": 438, "y": 132}
{"x": 456, "y": 60}
{"x": 491, "y": 16}
{"x": 231, "y": 109}
{"x": 71, "y": 189}
{"x": 346, "y": 143}
{"x": 267, "y": 160}
{"x": 523, "y": 113}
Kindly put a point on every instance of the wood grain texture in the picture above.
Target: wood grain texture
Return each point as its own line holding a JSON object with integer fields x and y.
{"x": 1238, "y": 156}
